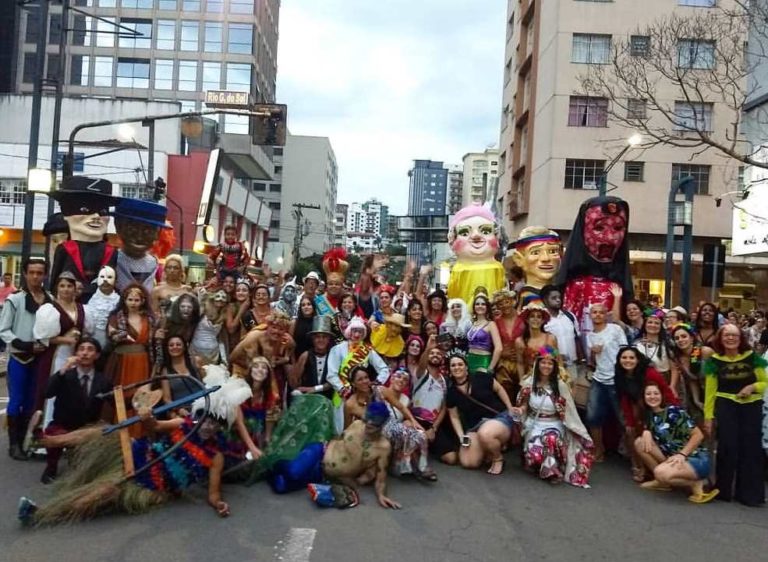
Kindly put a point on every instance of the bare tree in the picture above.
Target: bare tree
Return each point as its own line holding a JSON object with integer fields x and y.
{"x": 664, "y": 79}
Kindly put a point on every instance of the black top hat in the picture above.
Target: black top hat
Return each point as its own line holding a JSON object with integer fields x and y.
{"x": 321, "y": 325}
{"x": 85, "y": 186}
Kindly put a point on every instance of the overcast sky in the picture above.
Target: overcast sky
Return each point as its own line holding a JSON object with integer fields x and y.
{"x": 390, "y": 82}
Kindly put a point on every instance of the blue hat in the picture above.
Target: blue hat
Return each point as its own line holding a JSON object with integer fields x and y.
{"x": 138, "y": 210}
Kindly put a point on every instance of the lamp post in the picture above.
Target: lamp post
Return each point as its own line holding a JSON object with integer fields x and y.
{"x": 633, "y": 141}
{"x": 679, "y": 215}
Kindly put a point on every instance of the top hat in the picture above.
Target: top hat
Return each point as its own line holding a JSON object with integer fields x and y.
{"x": 321, "y": 325}
{"x": 145, "y": 212}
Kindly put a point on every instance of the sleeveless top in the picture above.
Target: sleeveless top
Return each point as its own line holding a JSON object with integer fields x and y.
{"x": 480, "y": 337}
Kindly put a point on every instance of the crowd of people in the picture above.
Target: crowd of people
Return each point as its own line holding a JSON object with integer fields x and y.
{"x": 394, "y": 378}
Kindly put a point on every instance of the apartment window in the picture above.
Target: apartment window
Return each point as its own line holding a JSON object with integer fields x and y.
{"x": 274, "y": 223}
{"x": 143, "y": 39}
{"x": 240, "y": 38}
{"x": 591, "y": 48}
{"x": 583, "y": 174}
{"x": 699, "y": 172}
{"x": 639, "y": 45}
{"x": 697, "y": 3}
{"x": 258, "y": 186}
{"x": 33, "y": 25}
{"x": 102, "y": 71}
{"x": 166, "y": 35}
{"x": 191, "y": 5}
{"x": 134, "y": 191}
{"x": 163, "y": 74}
{"x": 693, "y": 116}
{"x": 167, "y": 5}
{"x": 138, "y": 4}
{"x": 241, "y": 6}
{"x": 633, "y": 171}
{"x": 188, "y": 75}
{"x": 132, "y": 73}
{"x": 211, "y": 76}
{"x": 238, "y": 77}
{"x": 275, "y": 188}
{"x": 54, "y": 29}
{"x": 13, "y": 191}
{"x": 30, "y": 68}
{"x": 78, "y": 73}
{"x": 214, "y": 6}
{"x": 636, "y": 109}
{"x": 587, "y": 112}
{"x": 695, "y": 54}
{"x": 277, "y": 151}
{"x": 274, "y": 205}
{"x": 52, "y": 68}
{"x": 213, "y": 38}
{"x": 189, "y": 36}
{"x": 278, "y": 169}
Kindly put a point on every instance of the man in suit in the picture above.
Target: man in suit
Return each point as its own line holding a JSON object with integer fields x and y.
{"x": 75, "y": 387}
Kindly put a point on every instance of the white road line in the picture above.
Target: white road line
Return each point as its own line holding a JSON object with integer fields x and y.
{"x": 297, "y": 546}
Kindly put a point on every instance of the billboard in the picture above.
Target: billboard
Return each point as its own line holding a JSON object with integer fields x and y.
{"x": 750, "y": 217}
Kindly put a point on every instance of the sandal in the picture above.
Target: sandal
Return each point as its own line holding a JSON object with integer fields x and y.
{"x": 705, "y": 497}
{"x": 655, "y": 486}
{"x": 428, "y": 475}
{"x": 494, "y": 463}
{"x": 638, "y": 474}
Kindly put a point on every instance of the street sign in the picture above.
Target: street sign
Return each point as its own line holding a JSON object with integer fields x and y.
{"x": 713, "y": 272}
{"x": 227, "y": 99}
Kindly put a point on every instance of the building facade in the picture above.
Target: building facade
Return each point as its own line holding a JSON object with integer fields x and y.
{"x": 554, "y": 144}
{"x": 340, "y": 225}
{"x": 479, "y": 170}
{"x": 454, "y": 199}
{"x": 427, "y": 194}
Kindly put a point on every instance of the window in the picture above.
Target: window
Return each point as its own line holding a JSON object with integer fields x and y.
{"x": 79, "y": 30}
{"x": 143, "y": 39}
{"x": 102, "y": 71}
{"x": 13, "y": 191}
{"x": 33, "y": 25}
{"x": 139, "y": 4}
{"x": 278, "y": 151}
{"x": 132, "y": 73}
{"x": 587, "y": 112}
{"x": 30, "y": 68}
{"x": 275, "y": 205}
{"x": 591, "y": 49}
{"x": 274, "y": 223}
{"x": 78, "y": 74}
{"x": 699, "y": 172}
{"x": 166, "y": 35}
{"x": 214, "y": 6}
{"x": 188, "y": 75}
{"x": 276, "y": 188}
{"x": 278, "y": 170}
{"x": 633, "y": 171}
{"x": 693, "y": 116}
{"x": 639, "y": 45}
{"x": 105, "y": 36}
{"x": 189, "y": 36}
{"x": 241, "y": 6}
{"x": 167, "y": 5}
{"x": 238, "y": 77}
{"x": 52, "y": 68}
{"x": 211, "y": 76}
{"x": 583, "y": 174}
{"x": 258, "y": 186}
{"x": 636, "y": 109}
{"x": 240, "y": 38}
{"x": 134, "y": 191}
{"x": 213, "y": 38}
{"x": 163, "y": 74}
{"x": 695, "y": 54}
{"x": 191, "y": 6}
{"x": 54, "y": 29}
{"x": 697, "y": 3}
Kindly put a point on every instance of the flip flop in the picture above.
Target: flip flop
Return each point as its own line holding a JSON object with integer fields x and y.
{"x": 655, "y": 486}
{"x": 706, "y": 497}
{"x": 497, "y": 461}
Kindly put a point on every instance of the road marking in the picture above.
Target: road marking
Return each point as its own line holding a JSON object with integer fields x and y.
{"x": 297, "y": 545}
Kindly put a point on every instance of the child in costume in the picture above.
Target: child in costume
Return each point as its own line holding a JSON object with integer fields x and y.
{"x": 230, "y": 257}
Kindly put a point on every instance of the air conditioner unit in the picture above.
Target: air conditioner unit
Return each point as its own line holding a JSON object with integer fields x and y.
{"x": 589, "y": 185}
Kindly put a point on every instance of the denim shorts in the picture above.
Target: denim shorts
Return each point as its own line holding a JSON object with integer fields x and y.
{"x": 602, "y": 400}
{"x": 700, "y": 464}
{"x": 503, "y": 417}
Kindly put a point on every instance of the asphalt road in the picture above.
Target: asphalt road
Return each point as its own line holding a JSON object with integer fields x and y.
{"x": 467, "y": 515}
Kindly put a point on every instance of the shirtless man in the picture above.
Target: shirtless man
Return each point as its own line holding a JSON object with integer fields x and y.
{"x": 274, "y": 343}
{"x": 361, "y": 454}
{"x": 173, "y": 285}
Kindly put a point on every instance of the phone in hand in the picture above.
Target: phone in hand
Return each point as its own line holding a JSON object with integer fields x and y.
{"x": 465, "y": 441}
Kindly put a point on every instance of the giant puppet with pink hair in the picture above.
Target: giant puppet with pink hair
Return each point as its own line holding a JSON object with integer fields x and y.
{"x": 474, "y": 237}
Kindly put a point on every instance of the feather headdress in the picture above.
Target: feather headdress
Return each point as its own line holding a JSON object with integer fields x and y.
{"x": 225, "y": 401}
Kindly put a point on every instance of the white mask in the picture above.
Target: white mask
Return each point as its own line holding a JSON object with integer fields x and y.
{"x": 106, "y": 276}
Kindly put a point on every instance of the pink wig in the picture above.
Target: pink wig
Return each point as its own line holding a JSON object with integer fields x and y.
{"x": 472, "y": 210}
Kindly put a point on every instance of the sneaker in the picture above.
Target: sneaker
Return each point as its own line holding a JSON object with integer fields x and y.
{"x": 27, "y": 509}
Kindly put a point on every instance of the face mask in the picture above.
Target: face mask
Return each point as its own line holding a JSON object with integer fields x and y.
{"x": 106, "y": 276}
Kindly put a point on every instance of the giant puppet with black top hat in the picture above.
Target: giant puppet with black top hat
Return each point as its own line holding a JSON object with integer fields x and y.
{"x": 84, "y": 204}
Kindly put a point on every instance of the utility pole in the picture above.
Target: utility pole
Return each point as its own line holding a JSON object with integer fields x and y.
{"x": 301, "y": 231}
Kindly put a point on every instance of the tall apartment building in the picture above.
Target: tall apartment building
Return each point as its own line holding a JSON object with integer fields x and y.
{"x": 340, "y": 225}
{"x": 555, "y": 144}
{"x": 426, "y": 196}
{"x": 454, "y": 199}
{"x": 377, "y": 216}
{"x": 480, "y": 169}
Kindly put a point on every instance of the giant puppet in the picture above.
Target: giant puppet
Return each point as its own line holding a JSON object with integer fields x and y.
{"x": 596, "y": 264}
{"x": 474, "y": 237}
{"x": 84, "y": 204}
{"x": 538, "y": 252}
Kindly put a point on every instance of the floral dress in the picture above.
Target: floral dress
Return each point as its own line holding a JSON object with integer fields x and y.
{"x": 409, "y": 445}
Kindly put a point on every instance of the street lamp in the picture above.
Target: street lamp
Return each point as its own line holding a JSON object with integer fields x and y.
{"x": 634, "y": 140}
{"x": 39, "y": 180}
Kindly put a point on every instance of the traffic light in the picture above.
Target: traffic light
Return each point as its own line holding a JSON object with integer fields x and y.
{"x": 269, "y": 127}
{"x": 159, "y": 189}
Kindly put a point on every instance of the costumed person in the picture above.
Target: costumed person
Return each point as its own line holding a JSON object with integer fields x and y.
{"x": 483, "y": 338}
{"x": 348, "y": 307}
{"x": 259, "y": 413}
{"x": 138, "y": 225}
{"x": 538, "y": 252}
{"x": 473, "y": 236}
{"x": 556, "y": 445}
{"x": 688, "y": 358}
{"x": 343, "y": 358}
{"x": 183, "y": 318}
{"x": 310, "y": 372}
{"x": 172, "y": 286}
{"x": 386, "y": 294}
{"x": 207, "y": 344}
{"x": 335, "y": 266}
{"x": 533, "y": 337}
{"x": 85, "y": 204}
{"x": 505, "y": 301}
{"x": 387, "y": 339}
{"x": 230, "y": 257}
{"x": 102, "y": 303}
{"x": 596, "y": 265}
{"x": 96, "y": 484}
{"x": 457, "y": 323}
{"x": 288, "y": 303}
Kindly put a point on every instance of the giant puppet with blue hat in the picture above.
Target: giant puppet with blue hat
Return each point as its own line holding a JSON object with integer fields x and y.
{"x": 138, "y": 224}
{"x": 84, "y": 204}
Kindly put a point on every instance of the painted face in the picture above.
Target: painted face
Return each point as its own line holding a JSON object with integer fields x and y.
{"x": 604, "y": 233}
{"x": 652, "y": 396}
{"x": 175, "y": 347}
{"x": 683, "y": 339}
{"x": 186, "y": 308}
{"x": 546, "y": 366}
{"x": 242, "y": 293}
{"x": 90, "y": 227}
{"x": 476, "y": 239}
{"x": 540, "y": 261}
{"x": 357, "y": 334}
{"x": 289, "y": 294}
{"x": 106, "y": 277}
{"x": 137, "y": 237}
{"x": 220, "y": 298}
{"x": 628, "y": 360}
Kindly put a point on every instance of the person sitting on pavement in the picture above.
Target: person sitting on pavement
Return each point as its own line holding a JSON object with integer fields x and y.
{"x": 671, "y": 448}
